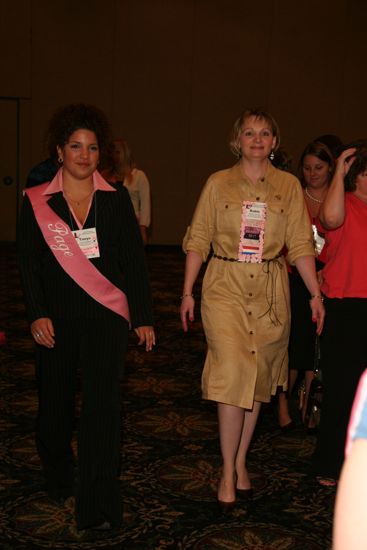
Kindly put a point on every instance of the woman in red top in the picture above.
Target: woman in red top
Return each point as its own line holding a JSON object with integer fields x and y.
{"x": 344, "y": 342}
{"x": 316, "y": 168}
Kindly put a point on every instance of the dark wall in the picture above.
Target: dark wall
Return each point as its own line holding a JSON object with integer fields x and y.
{"x": 172, "y": 76}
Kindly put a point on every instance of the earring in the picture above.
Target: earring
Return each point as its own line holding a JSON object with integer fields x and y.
{"x": 271, "y": 156}
{"x": 60, "y": 160}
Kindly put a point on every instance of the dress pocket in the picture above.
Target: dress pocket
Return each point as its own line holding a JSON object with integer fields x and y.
{"x": 276, "y": 221}
{"x": 228, "y": 216}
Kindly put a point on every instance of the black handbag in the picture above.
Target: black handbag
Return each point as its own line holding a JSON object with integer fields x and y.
{"x": 314, "y": 404}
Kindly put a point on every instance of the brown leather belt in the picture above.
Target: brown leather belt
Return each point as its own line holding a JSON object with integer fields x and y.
{"x": 225, "y": 259}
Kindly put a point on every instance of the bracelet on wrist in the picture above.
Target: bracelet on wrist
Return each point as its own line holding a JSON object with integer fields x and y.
{"x": 184, "y": 296}
{"x": 317, "y": 296}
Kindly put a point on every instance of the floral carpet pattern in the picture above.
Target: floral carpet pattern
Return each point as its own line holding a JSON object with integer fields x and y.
{"x": 170, "y": 452}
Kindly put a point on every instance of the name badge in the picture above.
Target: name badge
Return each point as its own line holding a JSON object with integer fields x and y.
{"x": 252, "y": 232}
{"x": 87, "y": 241}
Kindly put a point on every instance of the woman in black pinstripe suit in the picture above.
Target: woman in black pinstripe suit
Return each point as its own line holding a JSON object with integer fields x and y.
{"x": 80, "y": 318}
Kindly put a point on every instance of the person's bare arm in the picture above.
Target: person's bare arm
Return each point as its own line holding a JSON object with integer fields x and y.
{"x": 332, "y": 210}
{"x": 350, "y": 518}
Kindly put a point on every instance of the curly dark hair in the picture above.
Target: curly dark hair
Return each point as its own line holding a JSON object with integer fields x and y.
{"x": 359, "y": 165}
{"x": 69, "y": 118}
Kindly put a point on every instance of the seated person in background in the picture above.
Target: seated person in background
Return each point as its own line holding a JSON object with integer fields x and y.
{"x": 122, "y": 168}
{"x": 350, "y": 519}
{"x": 42, "y": 172}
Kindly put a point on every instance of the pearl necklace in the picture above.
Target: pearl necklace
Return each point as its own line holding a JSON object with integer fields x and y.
{"x": 319, "y": 201}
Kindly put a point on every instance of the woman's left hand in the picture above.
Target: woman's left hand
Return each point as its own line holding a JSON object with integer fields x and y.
{"x": 345, "y": 161}
{"x": 318, "y": 313}
{"x": 146, "y": 334}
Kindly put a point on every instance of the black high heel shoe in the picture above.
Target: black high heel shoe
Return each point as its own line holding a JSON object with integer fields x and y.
{"x": 226, "y": 507}
{"x": 103, "y": 526}
{"x": 288, "y": 427}
{"x": 311, "y": 431}
{"x": 245, "y": 494}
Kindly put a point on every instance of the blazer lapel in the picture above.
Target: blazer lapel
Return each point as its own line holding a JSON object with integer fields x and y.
{"x": 59, "y": 205}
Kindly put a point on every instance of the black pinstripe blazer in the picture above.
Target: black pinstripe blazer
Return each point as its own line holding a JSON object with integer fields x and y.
{"x": 50, "y": 292}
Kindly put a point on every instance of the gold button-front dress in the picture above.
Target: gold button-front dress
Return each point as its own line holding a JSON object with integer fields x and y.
{"x": 245, "y": 306}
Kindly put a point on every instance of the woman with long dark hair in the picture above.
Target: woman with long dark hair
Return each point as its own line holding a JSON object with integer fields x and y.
{"x": 316, "y": 167}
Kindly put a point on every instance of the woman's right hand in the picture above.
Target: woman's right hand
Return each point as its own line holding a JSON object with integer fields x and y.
{"x": 43, "y": 332}
{"x": 187, "y": 309}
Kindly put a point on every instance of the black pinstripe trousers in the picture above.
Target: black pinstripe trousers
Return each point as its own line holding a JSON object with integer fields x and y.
{"x": 96, "y": 348}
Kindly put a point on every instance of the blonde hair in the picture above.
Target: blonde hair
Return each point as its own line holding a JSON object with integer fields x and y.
{"x": 128, "y": 159}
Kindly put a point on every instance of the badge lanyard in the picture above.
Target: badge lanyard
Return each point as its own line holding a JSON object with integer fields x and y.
{"x": 87, "y": 238}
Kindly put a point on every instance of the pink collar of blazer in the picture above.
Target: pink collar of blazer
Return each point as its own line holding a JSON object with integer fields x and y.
{"x": 66, "y": 250}
{"x": 57, "y": 184}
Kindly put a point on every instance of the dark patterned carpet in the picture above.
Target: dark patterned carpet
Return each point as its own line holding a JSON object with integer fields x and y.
{"x": 170, "y": 453}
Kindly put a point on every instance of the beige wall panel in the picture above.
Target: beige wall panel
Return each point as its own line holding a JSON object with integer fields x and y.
{"x": 229, "y": 74}
{"x": 173, "y": 75}
{"x": 72, "y": 58}
{"x": 15, "y": 48}
{"x": 306, "y": 69}
{"x": 8, "y": 170}
{"x": 25, "y": 144}
{"x": 14, "y": 162}
{"x": 354, "y": 83}
{"x": 151, "y": 100}
{"x": 15, "y": 82}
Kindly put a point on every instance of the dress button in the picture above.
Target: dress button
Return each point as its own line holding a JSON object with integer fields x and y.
{"x": 262, "y": 179}
{"x": 250, "y": 312}
{"x": 251, "y": 276}
{"x": 251, "y": 331}
{"x": 253, "y": 352}
{"x": 250, "y": 293}
{"x": 257, "y": 198}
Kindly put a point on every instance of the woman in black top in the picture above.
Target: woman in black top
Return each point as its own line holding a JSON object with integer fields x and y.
{"x": 77, "y": 318}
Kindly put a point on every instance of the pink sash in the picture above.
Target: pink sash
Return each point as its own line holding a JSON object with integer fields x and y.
{"x": 66, "y": 250}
